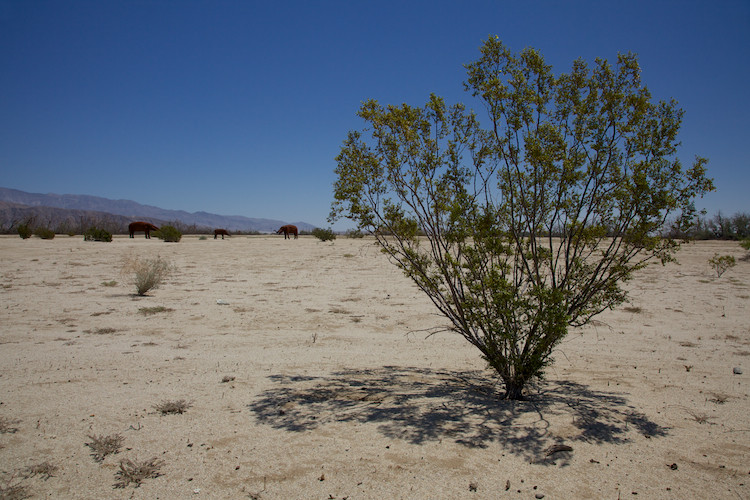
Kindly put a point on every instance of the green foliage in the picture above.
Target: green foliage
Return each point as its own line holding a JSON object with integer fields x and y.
{"x": 745, "y": 244}
{"x": 524, "y": 228}
{"x": 324, "y": 234}
{"x": 44, "y": 233}
{"x": 722, "y": 263}
{"x": 146, "y": 273}
{"x": 24, "y": 231}
{"x": 94, "y": 234}
{"x": 169, "y": 234}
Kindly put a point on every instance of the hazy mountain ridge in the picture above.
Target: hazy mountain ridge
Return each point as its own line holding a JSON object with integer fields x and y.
{"x": 18, "y": 205}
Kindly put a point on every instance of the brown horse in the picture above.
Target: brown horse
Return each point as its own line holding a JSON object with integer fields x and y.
{"x": 221, "y": 232}
{"x": 287, "y": 230}
{"x": 146, "y": 227}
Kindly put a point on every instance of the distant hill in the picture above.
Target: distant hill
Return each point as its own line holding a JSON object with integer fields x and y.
{"x": 72, "y": 208}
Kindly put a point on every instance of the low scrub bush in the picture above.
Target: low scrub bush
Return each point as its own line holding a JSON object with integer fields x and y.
{"x": 136, "y": 472}
{"x": 324, "y": 234}
{"x": 169, "y": 234}
{"x": 101, "y": 446}
{"x": 147, "y": 273}
{"x": 44, "y": 233}
{"x": 169, "y": 407}
{"x": 94, "y": 234}
{"x": 721, "y": 263}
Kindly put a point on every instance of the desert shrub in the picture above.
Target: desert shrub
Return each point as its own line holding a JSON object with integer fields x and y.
{"x": 94, "y": 234}
{"x": 134, "y": 472}
{"x": 24, "y": 231}
{"x": 169, "y": 407}
{"x": 169, "y": 234}
{"x": 745, "y": 244}
{"x": 324, "y": 234}
{"x": 101, "y": 446}
{"x": 44, "y": 469}
{"x": 14, "y": 492}
{"x": 147, "y": 273}
{"x": 720, "y": 263}
{"x": 44, "y": 233}
{"x": 8, "y": 425}
{"x": 147, "y": 311}
{"x": 586, "y": 156}
{"x": 355, "y": 233}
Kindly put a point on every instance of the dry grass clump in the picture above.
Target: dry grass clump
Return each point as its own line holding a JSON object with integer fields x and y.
{"x": 171, "y": 407}
{"x": 134, "y": 472}
{"x": 14, "y": 492}
{"x": 101, "y": 446}
{"x": 7, "y": 426}
{"x": 44, "y": 469}
{"x": 146, "y": 273}
{"x": 153, "y": 310}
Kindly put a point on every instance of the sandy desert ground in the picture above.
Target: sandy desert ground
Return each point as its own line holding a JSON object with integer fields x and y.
{"x": 310, "y": 374}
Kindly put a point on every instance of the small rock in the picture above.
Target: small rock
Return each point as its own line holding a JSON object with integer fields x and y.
{"x": 539, "y": 495}
{"x": 673, "y": 466}
{"x": 222, "y": 302}
{"x": 472, "y": 486}
{"x": 737, "y": 370}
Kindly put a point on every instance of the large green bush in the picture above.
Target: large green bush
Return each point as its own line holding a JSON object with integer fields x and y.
{"x": 169, "y": 234}
{"x": 24, "y": 231}
{"x": 324, "y": 234}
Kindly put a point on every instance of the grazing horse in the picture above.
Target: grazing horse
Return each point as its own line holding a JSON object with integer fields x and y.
{"x": 221, "y": 232}
{"x": 146, "y": 227}
{"x": 287, "y": 230}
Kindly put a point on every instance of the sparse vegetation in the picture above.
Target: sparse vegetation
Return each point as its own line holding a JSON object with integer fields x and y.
{"x": 721, "y": 263}
{"x": 355, "y": 233}
{"x": 136, "y": 472}
{"x": 109, "y": 283}
{"x": 172, "y": 407}
{"x": 147, "y": 273}
{"x": 8, "y": 425}
{"x": 45, "y": 469}
{"x": 104, "y": 330}
{"x": 169, "y": 234}
{"x": 14, "y": 492}
{"x": 146, "y": 311}
{"x": 324, "y": 234}
{"x": 44, "y": 233}
{"x": 94, "y": 234}
{"x": 101, "y": 446}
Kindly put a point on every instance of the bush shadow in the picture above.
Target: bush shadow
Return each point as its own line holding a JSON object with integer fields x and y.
{"x": 419, "y": 405}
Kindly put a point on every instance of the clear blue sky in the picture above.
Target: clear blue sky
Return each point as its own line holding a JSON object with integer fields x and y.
{"x": 239, "y": 107}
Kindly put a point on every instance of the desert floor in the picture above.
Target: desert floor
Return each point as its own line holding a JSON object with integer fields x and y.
{"x": 309, "y": 372}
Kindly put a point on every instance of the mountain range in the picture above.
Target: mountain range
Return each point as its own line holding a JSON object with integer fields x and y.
{"x": 73, "y": 210}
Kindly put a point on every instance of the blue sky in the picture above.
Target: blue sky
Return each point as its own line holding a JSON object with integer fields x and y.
{"x": 240, "y": 107}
